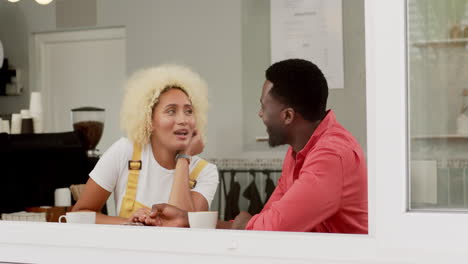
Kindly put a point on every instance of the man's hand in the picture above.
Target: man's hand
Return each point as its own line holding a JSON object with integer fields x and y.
{"x": 167, "y": 215}
{"x": 241, "y": 220}
{"x": 195, "y": 146}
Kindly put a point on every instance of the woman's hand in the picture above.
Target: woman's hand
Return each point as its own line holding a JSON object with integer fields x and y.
{"x": 195, "y": 145}
{"x": 140, "y": 215}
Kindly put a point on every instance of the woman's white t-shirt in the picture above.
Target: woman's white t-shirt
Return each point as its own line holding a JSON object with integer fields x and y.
{"x": 154, "y": 181}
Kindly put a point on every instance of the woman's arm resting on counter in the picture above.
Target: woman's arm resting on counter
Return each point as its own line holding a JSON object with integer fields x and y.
{"x": 93, "y": 198}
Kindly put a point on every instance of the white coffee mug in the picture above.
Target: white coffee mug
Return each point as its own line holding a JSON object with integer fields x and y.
{"x": 62, "y": 197}
{"x": 16, "y": 124}
{"x": 206, "y": 219}
{"x": 79, "y": 217}
{"x": 5, "y": 126}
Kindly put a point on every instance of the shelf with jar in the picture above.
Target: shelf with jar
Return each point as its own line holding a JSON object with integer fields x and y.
{"x": 457, "y": 37}
{"x": 10, "y": 80}
{"x": 442, "y": 43}
{"x": 461, "y": 124}
{"x": 441, "y": 137}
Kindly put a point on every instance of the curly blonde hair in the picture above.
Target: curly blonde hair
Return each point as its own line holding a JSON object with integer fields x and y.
{"x": 142, "y": 92}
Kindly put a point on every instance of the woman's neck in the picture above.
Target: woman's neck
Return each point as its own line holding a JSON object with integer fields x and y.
{"x": 164, "y": 157}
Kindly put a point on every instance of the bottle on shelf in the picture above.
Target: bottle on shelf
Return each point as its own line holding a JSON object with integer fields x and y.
{"x": 456, "y": 32}
{"x": 464, "y": 22}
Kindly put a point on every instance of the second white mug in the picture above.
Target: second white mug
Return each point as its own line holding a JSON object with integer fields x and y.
{"x": 79, "y": 217}
{"x": 206, "y": 219}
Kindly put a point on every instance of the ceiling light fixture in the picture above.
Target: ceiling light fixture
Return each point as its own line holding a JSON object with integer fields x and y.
{"x": 1, "y": 54}
{"x": 41, "y": 2}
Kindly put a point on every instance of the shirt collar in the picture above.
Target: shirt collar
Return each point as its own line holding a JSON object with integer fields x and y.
{"x": 324, "y": 125}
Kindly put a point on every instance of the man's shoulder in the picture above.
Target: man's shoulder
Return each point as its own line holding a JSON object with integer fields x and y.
{"x": 339, "y": 136}
{"x": 338, "y": 141}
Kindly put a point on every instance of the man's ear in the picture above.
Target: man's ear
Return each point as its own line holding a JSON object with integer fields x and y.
{"x": 288, "y": 115}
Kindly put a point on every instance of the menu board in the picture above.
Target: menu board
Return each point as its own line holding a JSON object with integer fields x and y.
{"x": 311, "y": 30}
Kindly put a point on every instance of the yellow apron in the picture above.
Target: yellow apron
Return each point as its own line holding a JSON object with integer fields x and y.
{"x": 129, "y": 203}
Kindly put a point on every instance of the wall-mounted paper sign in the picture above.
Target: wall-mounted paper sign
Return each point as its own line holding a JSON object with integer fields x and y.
{"x": 311, "y": 30}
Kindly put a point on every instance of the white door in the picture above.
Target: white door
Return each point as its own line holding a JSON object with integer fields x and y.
{"x": 80, "y": 68}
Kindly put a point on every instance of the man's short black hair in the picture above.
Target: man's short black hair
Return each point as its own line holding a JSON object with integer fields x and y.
{"x": 300, "y": 84}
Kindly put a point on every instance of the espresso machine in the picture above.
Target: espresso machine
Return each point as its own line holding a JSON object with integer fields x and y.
{"x": 89, "y": 123}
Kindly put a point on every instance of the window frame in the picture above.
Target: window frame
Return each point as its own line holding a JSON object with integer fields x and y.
{"x": 394, "y": 233}
{"x": 397, "y": 226}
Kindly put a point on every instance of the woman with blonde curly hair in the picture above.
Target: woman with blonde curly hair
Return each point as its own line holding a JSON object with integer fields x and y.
{"x": 164, "y": 115}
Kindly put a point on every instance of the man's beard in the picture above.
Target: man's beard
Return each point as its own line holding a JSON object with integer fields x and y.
{"x": 276, "y": 137}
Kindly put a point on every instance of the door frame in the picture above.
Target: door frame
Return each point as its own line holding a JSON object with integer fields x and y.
{"x": 39, "y": 80}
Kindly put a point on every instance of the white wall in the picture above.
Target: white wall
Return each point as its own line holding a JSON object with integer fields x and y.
{"x": 349, "y": 103}
{"x": 204, "y": 35}
{"x": 209, "y": 36}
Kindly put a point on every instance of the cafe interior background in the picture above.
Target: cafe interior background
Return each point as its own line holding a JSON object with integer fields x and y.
{"x": 78, "y": 53}
{"x": 231, "y": 54}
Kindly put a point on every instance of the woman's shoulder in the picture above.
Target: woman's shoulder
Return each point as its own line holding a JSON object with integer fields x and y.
{"x": 123, "y": 143}
{"x": 196, "y": 161}
{"x": 123, "y": 146}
